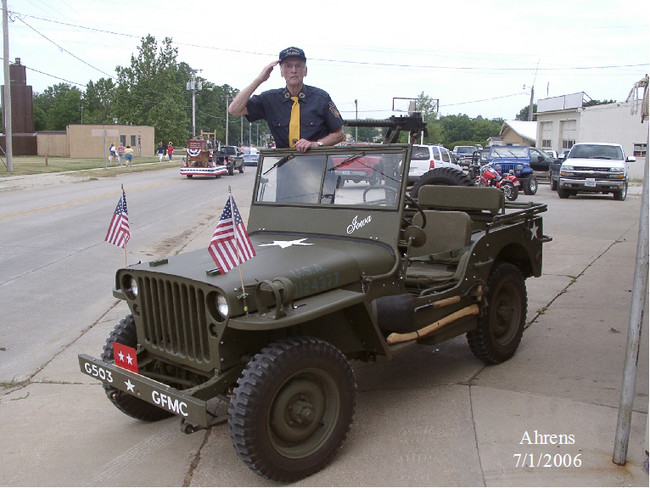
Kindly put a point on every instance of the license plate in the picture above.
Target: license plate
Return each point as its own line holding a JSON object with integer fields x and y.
{"x": 591, "y": 182}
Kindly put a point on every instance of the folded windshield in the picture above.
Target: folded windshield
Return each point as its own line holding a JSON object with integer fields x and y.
{"x": 363, "y": 177}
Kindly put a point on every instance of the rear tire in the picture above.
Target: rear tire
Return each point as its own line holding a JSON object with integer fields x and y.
{"x": 124, "y": 333}
{"x": 502, "y": 324}
{"x": 292, "y": 408}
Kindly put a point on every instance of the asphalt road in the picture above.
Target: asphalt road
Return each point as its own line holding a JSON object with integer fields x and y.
{"x": 56, "y": 271}
{"x": 431, "y": 416}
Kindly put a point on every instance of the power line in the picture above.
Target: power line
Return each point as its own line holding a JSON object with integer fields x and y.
{"x": 348, "y": 62}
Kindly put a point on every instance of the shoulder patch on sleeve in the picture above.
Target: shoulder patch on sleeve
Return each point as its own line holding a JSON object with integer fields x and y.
{"x": 334, "y": 110}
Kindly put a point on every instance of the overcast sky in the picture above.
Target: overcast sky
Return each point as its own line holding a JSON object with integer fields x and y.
{"x": 474, "y": 56}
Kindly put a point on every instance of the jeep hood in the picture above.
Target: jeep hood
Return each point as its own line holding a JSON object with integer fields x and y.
{"x": 313, "y": 263}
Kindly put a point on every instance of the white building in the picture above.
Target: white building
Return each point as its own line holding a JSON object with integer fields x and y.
{"x": 563, "y": 121}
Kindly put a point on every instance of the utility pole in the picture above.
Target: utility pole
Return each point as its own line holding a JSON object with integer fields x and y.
{"x": 9, "y": 147}
{"x": 193, "y": 85}
{"x": 356, "y": 116}
{"x": 227, "y": 120}
{"x": 530, "y": 104}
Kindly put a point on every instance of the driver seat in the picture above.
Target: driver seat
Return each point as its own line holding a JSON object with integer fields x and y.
{"x": 445, "y": 253}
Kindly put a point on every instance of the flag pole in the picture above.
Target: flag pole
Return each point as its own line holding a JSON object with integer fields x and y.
{"x": 234, "y": 228}
{"x": 125, "y": 258}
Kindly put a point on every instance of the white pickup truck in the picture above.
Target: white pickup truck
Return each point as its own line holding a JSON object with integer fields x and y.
{"x": 595, "y": 168}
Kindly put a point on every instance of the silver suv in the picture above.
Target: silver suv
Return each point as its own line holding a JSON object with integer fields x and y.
{"x": 425, "y": 158}
{"x": 594, "y": 168}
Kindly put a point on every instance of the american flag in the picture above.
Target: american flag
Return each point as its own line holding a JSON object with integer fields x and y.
{"x": 118, "y": 231}
{"x": 230, "y": 245}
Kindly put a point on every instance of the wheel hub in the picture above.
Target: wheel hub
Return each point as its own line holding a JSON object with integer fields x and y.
{"x": 297, "y": 411}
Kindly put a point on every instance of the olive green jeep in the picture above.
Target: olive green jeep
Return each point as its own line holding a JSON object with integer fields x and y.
{"x": 341, "y": 273}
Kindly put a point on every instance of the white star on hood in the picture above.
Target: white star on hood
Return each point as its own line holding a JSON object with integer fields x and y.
{"x": 285, "y": 244}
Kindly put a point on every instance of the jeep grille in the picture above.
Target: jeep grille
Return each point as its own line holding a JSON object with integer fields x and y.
{"x": 174, "y": 319}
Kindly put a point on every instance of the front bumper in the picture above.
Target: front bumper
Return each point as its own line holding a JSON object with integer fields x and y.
{"x": 191, "y": 409}
{"x": 197, "y": 171}
{"x": 591, "y": 184}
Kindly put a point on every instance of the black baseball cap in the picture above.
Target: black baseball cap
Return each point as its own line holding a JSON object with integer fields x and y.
{"x": 292, "y": 52}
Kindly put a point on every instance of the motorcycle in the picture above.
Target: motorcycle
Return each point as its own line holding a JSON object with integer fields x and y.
{"x": 486, "y": 175}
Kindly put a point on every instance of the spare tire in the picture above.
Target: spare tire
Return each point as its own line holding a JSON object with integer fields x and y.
{"x": 441, "y": 176}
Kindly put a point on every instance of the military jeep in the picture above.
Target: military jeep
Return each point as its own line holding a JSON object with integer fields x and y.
{"x": 341, "y": 273}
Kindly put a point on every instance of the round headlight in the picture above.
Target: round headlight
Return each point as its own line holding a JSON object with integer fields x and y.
{"x": 133, "y": 286}
{"x": 222, "y": 306}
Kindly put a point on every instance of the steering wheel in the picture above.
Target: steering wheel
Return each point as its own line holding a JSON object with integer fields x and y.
{"x": 386, "y": 188}
{"x": 418, "y": 208}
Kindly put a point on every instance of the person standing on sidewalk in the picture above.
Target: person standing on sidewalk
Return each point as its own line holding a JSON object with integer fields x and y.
{"x": 120, "y": 153}
{"x": 161, "y": 151}
{"x": 298, "y": 115}
{"x": 128, "y": 154}
{"x": 170, "y": 150}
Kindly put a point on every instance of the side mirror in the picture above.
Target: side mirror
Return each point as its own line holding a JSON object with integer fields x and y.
{"x": 630, "y": 159}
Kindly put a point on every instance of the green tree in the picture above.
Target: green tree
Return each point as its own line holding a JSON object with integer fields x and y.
{"x": 591, "y": 103}
{"x": 151, "y": 91}
{"x": 523, "y": 113}
{"x": 98, "y": 102}
{"x": 58, "y": 106}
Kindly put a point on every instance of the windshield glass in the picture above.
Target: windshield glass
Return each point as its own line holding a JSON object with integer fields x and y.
{"x": 356, "y": 178}
{"x": 596, "y": 151}
{"x": 510, "y": 152}
{"x": 465, "y": 149}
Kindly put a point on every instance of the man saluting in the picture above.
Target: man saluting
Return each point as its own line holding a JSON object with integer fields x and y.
{"x": 298, "y": 115}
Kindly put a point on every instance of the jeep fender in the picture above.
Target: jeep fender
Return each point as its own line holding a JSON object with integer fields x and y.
{"x": 341, "y": 317}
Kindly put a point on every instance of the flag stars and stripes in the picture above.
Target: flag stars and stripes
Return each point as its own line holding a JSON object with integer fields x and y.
{"x": 230, "y": 245}
{"x": 119, "y": 232}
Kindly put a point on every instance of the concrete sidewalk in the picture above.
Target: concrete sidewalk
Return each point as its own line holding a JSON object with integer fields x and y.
{"x": 430, "y": 416}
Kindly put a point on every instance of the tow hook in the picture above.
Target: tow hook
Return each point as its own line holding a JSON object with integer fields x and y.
{"x": 188, "y": 428}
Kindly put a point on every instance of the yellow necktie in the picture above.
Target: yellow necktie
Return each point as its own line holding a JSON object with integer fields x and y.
{"x": 294, "y": 123}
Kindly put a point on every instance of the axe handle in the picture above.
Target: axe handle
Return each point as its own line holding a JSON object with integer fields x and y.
{"x": 395, "y": 338}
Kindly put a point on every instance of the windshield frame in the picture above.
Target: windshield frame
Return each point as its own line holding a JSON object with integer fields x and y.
{"x": 320, "y": 169}
{"x": 345, "y": 217}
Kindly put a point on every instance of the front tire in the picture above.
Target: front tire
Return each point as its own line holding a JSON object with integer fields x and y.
{"x": 530, "y": 185}
{"x": 292, "y": 408}
{"x": 621, "y": 194}
{"x": 502, "y": 325}
{"x": 510, "y": 191}
{"x": 124, "y": 333}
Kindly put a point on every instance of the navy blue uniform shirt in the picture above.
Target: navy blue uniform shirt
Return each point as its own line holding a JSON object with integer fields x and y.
{"x": 318, "y": 114}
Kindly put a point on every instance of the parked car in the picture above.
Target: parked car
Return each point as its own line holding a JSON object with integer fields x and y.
{"x": 424, "y": 158}
{"x": 594, "y": 167}
{"x": 463, "y": 154}
{"x": 251, "y": 159}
